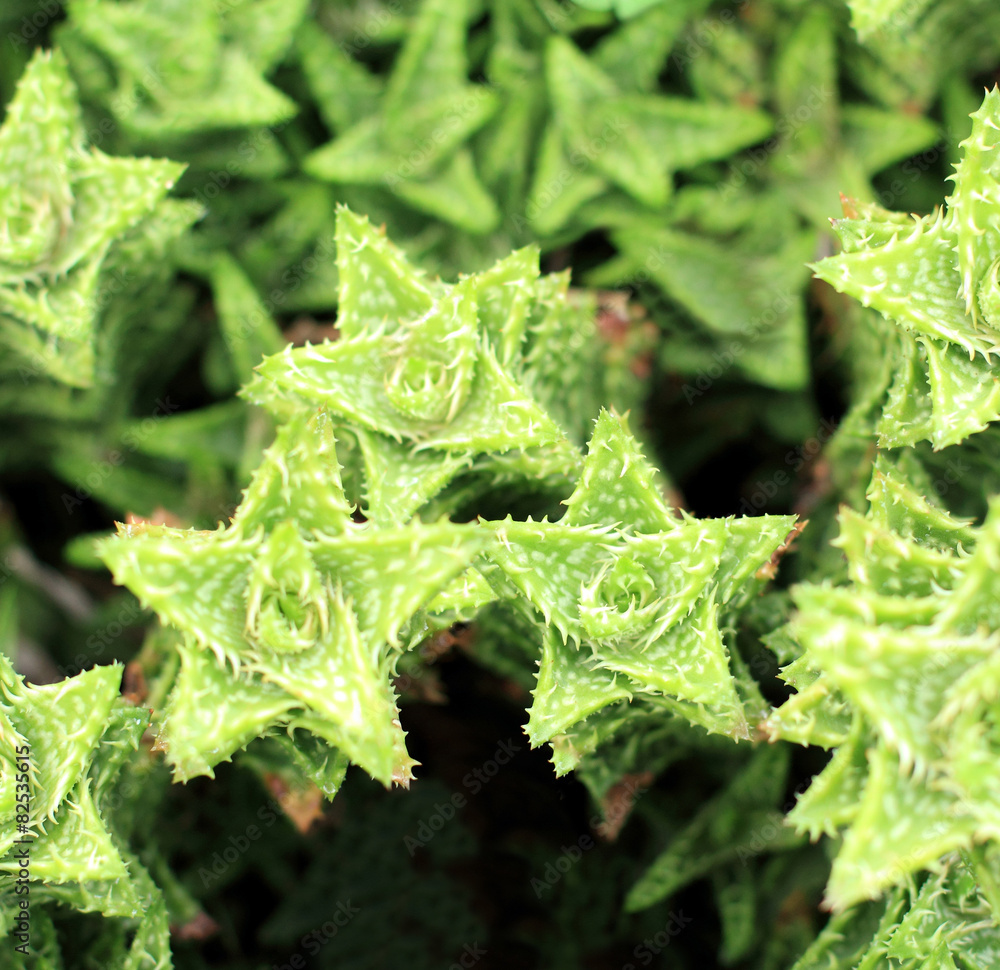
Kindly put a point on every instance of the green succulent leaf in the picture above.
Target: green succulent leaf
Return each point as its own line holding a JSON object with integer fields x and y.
{"x": 311, "y": 604}
{"x": 632, "y": 588}
{"x": 906, "y": 648}
{"x": 729, "y": 826}
{"x": 62, "y": 206}
{"x": 184, "y": 68}
{"x": 66, "y": 743}
{"x": 933, "y": 279}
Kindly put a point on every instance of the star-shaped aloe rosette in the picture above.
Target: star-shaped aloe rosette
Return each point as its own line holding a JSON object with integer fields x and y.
{"x": 291, "y": 616}
{"x": 171, "y": 72}
{"x": 62, "y": 207}
{"x": 607, "y": 153}
{"x": 432, "y": 378}
{"x": 934, "y": 282}
{"x": 635, "y": 596}
{"x": 898, "y": 673}
{"x": 408, "y": 134}
{"x": 71, "y": 739}
{"x": 449, "y": 390}
{"x": 554, "y": 128}
{"x": 762, "y": 222}
{"x": 910, "y": 53}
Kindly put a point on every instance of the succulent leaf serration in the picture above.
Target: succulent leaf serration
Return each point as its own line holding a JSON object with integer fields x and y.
{"x": 440, "y": 382}
{"x": 294, "y": 614}
{"x": 934, "y": 281}
{"x": 291, "y": 614}
{"x": 62, "y": 207}
{"x": 631, "y": 592}
{"x": 72, "y": 738}
{"x": 947, "y": 921}
{"x": 418, "y": 362}
{"x": 905, "y": 655}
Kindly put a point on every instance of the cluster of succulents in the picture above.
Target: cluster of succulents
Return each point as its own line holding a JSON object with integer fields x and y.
{"x": 304, "y": 298}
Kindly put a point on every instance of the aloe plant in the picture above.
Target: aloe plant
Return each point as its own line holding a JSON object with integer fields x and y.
{"x": 308, "y": 595}
{"x": 64, "y": 204}
{"x": 297, "y": 295}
